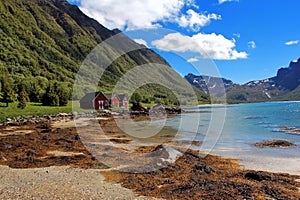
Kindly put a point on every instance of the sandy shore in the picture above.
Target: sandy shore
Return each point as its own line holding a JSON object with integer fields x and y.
{"x": 49, "y": 160}
{"x": 60, "y": 183}
{"x": 271, "y": 164}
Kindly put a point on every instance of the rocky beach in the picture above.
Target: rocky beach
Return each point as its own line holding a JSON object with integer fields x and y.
{"x": 46, "y": 158}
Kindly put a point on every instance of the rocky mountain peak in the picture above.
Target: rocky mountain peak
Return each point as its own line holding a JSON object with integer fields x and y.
{"x": 289, "y": 77}
{"x": 215, "y": 86}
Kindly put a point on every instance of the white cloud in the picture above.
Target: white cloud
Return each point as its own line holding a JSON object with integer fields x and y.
{"x": 292, "y": 42}
{"x": 252, "y": 44}
{"x": 223, "y": 1}
{"x": 192, "y": 3}
{"x": 191, "y": 60}
{"x": 132, "y": 14}
{"x": 137, "y": 14}
{"x": 195, "y": 20}
{"x": 141, "y": 41}
{"x": 238, "y": 35}
{"x": 208, "y": 45}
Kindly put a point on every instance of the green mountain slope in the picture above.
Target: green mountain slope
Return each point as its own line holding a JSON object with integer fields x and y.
{"x": 293, "y": 95}
{"x": 42, "y": 41}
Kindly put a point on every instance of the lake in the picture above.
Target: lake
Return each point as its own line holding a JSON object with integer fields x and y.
{"x": 229, "y": 130}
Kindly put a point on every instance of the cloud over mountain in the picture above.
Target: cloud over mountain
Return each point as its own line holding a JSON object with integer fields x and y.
{"x": 136, "y": 14}
{"x": 141, "y": 41}
{"x": 211, "y": 46}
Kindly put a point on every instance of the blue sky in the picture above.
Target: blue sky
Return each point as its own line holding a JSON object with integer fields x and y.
{"x": 246, "y": 39}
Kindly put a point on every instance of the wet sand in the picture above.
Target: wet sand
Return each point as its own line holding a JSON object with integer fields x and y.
{"x": 271, "y": 164}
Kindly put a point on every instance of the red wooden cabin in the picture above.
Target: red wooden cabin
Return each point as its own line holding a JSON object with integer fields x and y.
{"x": 101, "y": 101}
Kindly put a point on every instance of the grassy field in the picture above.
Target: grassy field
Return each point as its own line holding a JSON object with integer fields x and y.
{"x": 12, "y": 111}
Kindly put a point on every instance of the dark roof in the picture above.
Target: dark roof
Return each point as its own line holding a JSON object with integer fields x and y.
{"x": 122, "y": 96}
{"x": 92, "y": 95}
{"x": 89, "y": 97}
{"x": 108, "y": 96}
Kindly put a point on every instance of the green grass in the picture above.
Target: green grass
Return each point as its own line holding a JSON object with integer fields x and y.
{"x": 147, "y": 104}
{"x": 12, "y": 111}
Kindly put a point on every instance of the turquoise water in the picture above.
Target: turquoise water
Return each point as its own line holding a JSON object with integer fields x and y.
{"x": 230, "y": 130}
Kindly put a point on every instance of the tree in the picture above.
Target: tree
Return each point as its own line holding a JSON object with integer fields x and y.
{"x": 8, "y": 95}
{"x": 63, "y": 93}
{"x": 22, "y": 98}
{"x": 136, "y": 97}
{"x": 35, "y": 93}
{"x": 57, "y": 94}
{"x": 39, "y": 87}
{"x": 50, "y": 97}
{"x": 0, "y": 90}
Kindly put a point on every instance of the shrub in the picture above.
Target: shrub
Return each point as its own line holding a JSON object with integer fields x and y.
{"x": 22, "y": 98}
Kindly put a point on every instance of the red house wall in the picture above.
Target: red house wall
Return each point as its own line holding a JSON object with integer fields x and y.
{"x": 103, "y": 104}
{"x": 115, "y": 102}
{"x": 125, "y": 102}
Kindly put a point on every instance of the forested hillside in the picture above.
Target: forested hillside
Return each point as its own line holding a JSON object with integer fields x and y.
{"x": 42, "y": 46}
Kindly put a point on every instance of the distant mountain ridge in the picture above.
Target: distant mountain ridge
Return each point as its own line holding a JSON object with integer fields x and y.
{"x": 284, "y": 86}
{"x": 211, "y": 85}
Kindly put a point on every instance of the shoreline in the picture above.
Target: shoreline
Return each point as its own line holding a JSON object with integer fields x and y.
{"x": 56, "y": 143}
{"x": 294, "y": 170}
